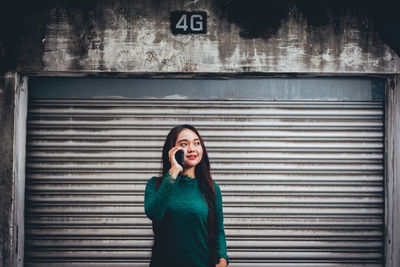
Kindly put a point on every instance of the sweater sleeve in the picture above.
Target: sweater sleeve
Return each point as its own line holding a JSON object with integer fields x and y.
{"x": 156, "y": 201}
{"x": 220, "y": 233}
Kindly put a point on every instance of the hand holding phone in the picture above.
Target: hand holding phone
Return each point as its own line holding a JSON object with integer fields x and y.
{"x": 176, "y": 159}
{"x": 179, "y": 157}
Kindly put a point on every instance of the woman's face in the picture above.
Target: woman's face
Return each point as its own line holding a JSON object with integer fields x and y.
{"x": 190, "y": 143}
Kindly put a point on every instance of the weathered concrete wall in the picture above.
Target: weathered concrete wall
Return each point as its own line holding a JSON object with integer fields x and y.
{"x": 242, "y": 36}
{"x": 7, "y": 85}
{"x": 392, "y": 185}
{"x": 13, "y": 111}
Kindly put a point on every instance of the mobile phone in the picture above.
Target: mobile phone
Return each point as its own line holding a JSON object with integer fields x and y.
{"x": 179, "y": 157}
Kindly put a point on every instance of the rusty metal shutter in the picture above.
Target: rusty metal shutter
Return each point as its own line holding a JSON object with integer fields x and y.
{"x": 302, "y": 181}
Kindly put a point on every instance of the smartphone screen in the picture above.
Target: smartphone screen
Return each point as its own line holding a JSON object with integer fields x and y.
{"x": 179, "y": 156}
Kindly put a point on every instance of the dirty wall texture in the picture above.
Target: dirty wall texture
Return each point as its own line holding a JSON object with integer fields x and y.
{"x": 242, "y": 36}
{"x": 7, "y": 84}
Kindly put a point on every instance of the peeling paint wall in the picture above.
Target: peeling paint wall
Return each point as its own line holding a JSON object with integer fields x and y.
{"x": 13, "y": 111}
{"x": 135, "y": 36}
{"x": 7, "y": 85}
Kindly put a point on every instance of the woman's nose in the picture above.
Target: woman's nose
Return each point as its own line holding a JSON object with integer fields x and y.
{"x": 190, "y": 148}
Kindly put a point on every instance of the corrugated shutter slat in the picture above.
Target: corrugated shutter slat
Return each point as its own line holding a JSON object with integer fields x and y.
{"x": 302, "y": 182}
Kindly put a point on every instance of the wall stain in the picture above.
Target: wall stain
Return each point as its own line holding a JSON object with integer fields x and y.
{"x": 262, "y": 19}
{"x": 256, "y": 19}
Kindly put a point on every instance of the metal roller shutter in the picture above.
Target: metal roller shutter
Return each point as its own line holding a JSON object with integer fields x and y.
{"x": 302, "y": 181}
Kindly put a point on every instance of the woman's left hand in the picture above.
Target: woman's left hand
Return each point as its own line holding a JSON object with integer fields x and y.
{"x": 222, "y": 263}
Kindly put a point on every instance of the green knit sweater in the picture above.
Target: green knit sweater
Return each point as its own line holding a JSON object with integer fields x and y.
{"x": 179, "y": 213}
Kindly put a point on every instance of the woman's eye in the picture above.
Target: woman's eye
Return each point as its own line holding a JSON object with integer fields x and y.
{"x": 197, "y": 143}
{"x": 183, "y": 144}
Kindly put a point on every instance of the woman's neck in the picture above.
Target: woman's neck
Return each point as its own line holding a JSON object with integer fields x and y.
{"x": 189, "y": 172}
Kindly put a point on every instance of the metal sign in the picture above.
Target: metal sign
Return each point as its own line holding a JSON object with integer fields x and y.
{"x": 183, "y": 22}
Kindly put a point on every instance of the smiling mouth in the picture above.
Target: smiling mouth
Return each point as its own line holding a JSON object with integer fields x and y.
{"x": 192, "y": 157}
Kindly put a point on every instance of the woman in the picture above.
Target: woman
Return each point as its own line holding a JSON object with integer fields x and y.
{"x": 185, "y": 205}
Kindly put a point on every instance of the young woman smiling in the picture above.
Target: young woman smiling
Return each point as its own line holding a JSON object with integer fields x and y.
{"x": 185, "y": 205}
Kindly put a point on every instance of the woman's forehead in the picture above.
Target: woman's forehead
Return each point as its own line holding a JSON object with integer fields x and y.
{"x": 187, "y": 134}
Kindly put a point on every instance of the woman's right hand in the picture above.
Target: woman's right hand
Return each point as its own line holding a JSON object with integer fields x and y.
{"x": 175, "y": 167}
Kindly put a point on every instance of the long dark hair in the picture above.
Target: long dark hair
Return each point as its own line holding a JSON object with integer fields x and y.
{"x": 203, "y": 175}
